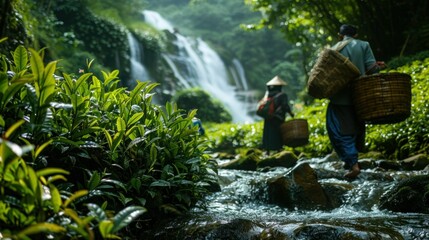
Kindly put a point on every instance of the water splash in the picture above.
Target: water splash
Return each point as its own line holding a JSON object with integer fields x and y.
{"x": 240, "y": 199}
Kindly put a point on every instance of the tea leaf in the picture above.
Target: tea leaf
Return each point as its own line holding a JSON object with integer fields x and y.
{"x": 20, "y": 58}
{"x": 126, "y": 216}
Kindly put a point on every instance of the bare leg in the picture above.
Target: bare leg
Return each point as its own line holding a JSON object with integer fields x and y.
{"x": 354, "y": 171}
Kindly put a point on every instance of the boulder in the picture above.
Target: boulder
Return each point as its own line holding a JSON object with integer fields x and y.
{"x": 417, "y": 162}
{"x": 298, "y": 189}
{"x": 388, "y": 165}
{"x": 367, "y": 163}
{"x": 410, "y": 195}
{"x": 285, "y": 159}
{"x": 247, "y": 162}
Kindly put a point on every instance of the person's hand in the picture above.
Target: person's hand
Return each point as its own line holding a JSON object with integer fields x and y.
{"x": 381, "y": 64}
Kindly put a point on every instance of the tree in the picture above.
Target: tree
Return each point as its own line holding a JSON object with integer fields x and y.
{"x": 393, "y": 27}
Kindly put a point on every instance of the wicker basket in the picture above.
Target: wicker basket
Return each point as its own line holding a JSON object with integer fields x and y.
{"x": 383, "y": 98}
{"x": 331, "y": 72}
{"x": 295, "y": 132}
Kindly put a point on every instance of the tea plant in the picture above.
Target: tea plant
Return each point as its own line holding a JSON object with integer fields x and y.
{"x": 33, "y": 207}
{"x": 124, "y": 152}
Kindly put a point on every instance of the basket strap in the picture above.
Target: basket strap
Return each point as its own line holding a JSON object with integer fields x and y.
{"x": 342, "y": 44}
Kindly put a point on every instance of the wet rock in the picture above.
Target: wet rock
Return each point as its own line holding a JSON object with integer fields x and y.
{"x": 332, "y": 157}
{"x": 372, "y": 155}
{"x": 236, "y": 229}
{"x": 326, "y": 174}
{"x": 319, "y": 231}
{"x": 298, "y": 189}
{"x": 417, "y": 162}
{"x": 410, "y": 195}
{"x": 223, "y": 155}
{"x": 389, "y": 165}
{"x": 335, "y": 193}
{"x": 252, "y": 161}
{"x": 247, "y": 162}
{"x": 273, "y": 234}
{"x": 209, "y": 229}
{"x": 326, "y": 231}
{"x": 285, "y": 159}
{"x": 367, "y": 163}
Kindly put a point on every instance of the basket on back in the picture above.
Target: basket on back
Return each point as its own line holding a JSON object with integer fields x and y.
{"x": 331, "y": 72}
{"x": 295, "y": 132}
{"x": 383, "y": 98}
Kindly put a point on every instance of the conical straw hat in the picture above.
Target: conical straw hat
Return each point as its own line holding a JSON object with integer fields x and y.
{"x": 276, "y": 81}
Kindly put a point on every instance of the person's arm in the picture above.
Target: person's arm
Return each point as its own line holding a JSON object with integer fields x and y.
{"x": 371, "y": 65}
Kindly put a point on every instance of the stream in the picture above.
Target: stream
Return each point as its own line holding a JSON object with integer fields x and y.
{"x": 242, "y": 204}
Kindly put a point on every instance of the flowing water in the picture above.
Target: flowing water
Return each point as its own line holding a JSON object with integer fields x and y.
{"x": 242, "y": 197}
{"x": 138, "y": 70}
{"x": 196, "y": 64}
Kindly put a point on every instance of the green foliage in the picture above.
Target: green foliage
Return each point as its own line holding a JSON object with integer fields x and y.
{"x": 410, "y": 136}
{"x": 312, "y": 23}
{"x": 30, "y": 202}
{"x": 397, "y": 62}
{"x": 110, "y": 9}
{"x": 127, "y": 152}
{"x": 103, "y": 38}
{"x": 209, "y": 109}
{"x": 395, "y": 141}
{"x": 11, "y": 25}
{"x": 231, "y": 137}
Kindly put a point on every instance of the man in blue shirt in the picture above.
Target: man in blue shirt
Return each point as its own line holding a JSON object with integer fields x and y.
{"x": 346, "y": 132}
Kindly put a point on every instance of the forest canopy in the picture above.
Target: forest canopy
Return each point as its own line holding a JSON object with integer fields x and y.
{"x": 393, "y": 27}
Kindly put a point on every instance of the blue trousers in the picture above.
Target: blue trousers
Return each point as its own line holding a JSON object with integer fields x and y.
{"x": 344, "y": 143}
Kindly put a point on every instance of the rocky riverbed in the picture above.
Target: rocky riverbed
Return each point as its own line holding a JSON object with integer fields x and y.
{"x": 288, "y": 197}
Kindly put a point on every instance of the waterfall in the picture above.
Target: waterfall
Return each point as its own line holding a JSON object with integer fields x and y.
{"x": 249, "y": 98}
{"x": 138, "y": 70}
{"x": 238, "y": 74}
{"x": 196, "y": 64}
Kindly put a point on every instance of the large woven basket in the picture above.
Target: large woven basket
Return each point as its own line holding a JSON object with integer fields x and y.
{"x": 295, "y": 132}
{"x": 331, "y": 72}
{"x": 383, "y": 98}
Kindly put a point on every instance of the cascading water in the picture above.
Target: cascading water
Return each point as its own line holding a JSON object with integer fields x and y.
{"x": 238, "y": 75}
{"x": 243, "y": 93}
{"x": 197, "y": 65}
{"x": 138, "y": 70}
{"x": 243, "y": 197}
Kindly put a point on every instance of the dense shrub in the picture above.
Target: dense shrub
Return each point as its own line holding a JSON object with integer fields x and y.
{"x": 231, "y": 137}
{"x": 397, "y": 62}
{"x": 122, "y": 154}
{"x": 209, "y": 109}
{"x": 98, "y": 36}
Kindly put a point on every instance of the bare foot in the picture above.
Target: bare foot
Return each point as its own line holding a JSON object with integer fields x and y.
{"x": 354, "y": 172}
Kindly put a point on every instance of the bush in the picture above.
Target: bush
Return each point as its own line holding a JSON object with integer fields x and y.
{"x": 397, "y": 62}
{"x": 121, "y": 151}
{"x": 209, "y": 109}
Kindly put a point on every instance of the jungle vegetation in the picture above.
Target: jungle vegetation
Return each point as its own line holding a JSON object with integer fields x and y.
{"x": 84, "y": 157}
